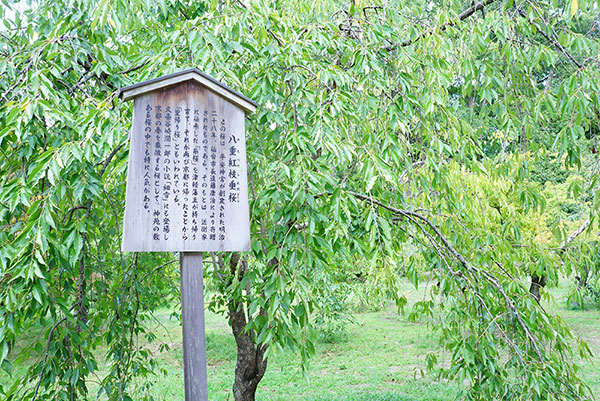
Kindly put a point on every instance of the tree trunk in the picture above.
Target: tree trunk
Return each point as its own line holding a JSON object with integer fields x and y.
{"x": 582, "y": 282}
{"x": 523, "y": 139}
{"x": 82, "y": 310}
{"x": 251, "y": 362}
{"x": 536, "y": 284}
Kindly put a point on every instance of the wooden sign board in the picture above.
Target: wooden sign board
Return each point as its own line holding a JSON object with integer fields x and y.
{"x": 187, "y": 185}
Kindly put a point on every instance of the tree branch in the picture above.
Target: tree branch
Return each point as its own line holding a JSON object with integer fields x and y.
{"x": 461, "y": 17}
{"x": 158, "y": 268}
{"x": 462, "y": 260}
{"x": 137, "y": 67}
{"x": 37, "y": 386}
{"x": 554, "y": 40}
{"x": 108, "y": 159}
{"x": 574, "y": 235}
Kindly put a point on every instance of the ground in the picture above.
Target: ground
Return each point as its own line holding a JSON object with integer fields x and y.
{"x": 380, "y": 358}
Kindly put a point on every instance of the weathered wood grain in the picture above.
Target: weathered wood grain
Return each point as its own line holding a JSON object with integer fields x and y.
{"x": 194, "y": 341}
{"x": 139, "y": 228}
{"x": 187, "y": 188}
{"x": 193, "y": 74}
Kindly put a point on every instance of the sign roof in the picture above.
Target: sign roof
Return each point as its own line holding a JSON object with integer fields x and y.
{"x": 193, "y": 74}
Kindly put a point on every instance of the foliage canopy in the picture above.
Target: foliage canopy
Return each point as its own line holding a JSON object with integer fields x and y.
{"x": 383, "y": 127}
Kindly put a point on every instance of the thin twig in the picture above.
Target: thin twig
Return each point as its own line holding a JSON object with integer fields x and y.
{"x": 109, "y": 158}
{"x": 461, "y": 17}
{"x": 37, "y": 387}
{"x": 137, "y": 67}
{"x": 157, "y": 268}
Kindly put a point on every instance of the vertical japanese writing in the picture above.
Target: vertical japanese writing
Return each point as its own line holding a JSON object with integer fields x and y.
{"x": 167, "y": 166}
{"x": 156, "y": 212}
{"x": 186, "y": 229}
{"x": 176, "y": 156}
{"x": 212, "y": 202}
{"x": 195, "y": 172}
{"x": 204, "y": 185}
{"x": 234, "y": 169}
{"x": 222, "y": 178}
{"x": 147, "y": 157}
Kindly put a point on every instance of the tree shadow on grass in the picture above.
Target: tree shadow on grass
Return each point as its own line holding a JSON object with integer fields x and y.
{"x": 369, "y": 397}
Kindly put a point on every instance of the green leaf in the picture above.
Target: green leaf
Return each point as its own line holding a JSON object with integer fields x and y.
{"x": 574, "y": 7}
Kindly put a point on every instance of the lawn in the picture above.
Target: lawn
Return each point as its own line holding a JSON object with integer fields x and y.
{"x": 380, "y": 358}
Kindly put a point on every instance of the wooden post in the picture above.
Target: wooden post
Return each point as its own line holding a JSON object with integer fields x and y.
{"x": 187, "y": 188}
{"x": 194, "y": 341}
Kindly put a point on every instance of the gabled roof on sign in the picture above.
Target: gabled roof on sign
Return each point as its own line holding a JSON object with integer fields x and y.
{"x": 193, "y": 74}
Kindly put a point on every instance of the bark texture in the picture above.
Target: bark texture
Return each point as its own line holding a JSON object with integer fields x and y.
{"x": 251, "y": 362}
{"x": 536, "y": 284}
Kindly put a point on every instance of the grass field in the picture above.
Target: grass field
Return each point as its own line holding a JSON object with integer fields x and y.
{"x": 379, "y": 359}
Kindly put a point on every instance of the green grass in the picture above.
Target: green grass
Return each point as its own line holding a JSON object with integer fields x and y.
{"x": 586, "y": 323}
{"x": 379, "y": 359}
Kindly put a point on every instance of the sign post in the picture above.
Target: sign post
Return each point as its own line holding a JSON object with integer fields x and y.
{"x": 194, "y": 340}
{"x": 187, "y": 188}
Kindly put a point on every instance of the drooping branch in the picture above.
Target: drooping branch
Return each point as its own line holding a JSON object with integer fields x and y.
{"x": 461, "y": 17}
{"x": 151, "y": 272}
{"x": 137, "y": 67}
{"x": 48, "y": 343}
{"x": 108, "y": 159}
{"x": 22, "y": 77}
{"x": 574, "y": 235}
{"x": 408, "y": 213}
{"x": 480, "y": 6}
{"x": 263, "y": 227}
{"x": 563, "y": 248}
{"x": 463, "y": 262}
{"x": 553, "y": 40}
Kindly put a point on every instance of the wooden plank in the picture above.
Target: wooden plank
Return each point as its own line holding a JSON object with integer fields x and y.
{"x": 187, "y": 184}
{"x": 194, "y": 341}
{"x": 212, "y": 84}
